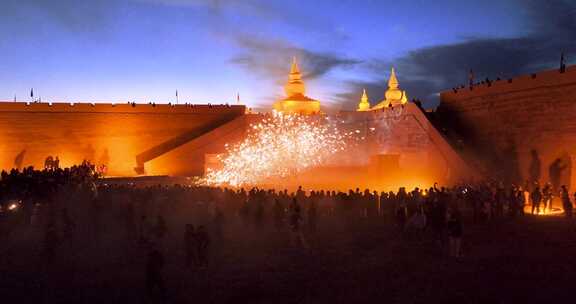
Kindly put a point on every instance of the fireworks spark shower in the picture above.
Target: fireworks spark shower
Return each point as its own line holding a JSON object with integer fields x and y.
{"x": 279, "y": 146}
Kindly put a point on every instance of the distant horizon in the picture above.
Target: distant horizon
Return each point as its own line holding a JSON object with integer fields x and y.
{"x": 260, "y": 107}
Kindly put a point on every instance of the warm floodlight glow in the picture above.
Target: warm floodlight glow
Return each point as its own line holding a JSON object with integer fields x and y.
{"x": 548, "y": 211}
{"x": 279, "y": 146}
{"x": 12, "y": 207}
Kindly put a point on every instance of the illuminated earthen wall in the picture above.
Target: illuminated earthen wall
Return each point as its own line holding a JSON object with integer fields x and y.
{"x": 507, "y": 119}
{"x": 391, "y": 147}
{"x": 424, "y": 156}
{"x": 402, "y": 134}
{"x": 210, "y": 143}
{"x": 106, "y": 133}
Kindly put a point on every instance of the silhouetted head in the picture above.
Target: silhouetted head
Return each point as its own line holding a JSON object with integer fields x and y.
{"x": 189, "y": 227}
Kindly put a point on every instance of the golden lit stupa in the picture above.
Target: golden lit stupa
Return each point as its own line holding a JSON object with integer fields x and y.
{"x": 394, "y": 96}
{"x": 296, "y": 101}
{"x": 364, "y": 104}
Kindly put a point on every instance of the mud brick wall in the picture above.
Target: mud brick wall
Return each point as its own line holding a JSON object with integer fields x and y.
{"x": 507, "y": 119}
{"x": 103, "y": 133}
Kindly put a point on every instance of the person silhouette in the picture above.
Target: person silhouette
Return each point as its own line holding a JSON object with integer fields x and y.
{"x": 190, "y": 246}
{"x": 202, "y": 243}
{"x": 566, "y": 203}
{"x": 312, "y": 216}
{"x": 154, "y": 278}
{"x": 295, "y": 215}
{"x": 278, "y": 210}
{"x": 536, "y": 198}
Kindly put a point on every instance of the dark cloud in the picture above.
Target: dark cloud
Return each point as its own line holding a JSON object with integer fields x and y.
{"x": 551, "y": 28}
{"x": 271, "y": 59}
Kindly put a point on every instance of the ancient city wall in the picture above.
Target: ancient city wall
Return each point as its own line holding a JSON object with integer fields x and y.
{"x": 105, "y": 133}
{"x": 424, "y": 156}
{"x": 505, "y": 120}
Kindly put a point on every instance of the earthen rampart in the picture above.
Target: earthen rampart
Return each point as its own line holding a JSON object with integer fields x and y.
{"x": 110, "y": 134}
{"x": 502, "y": 122}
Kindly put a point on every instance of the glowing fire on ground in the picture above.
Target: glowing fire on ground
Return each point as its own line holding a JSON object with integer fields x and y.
{"x": 279, "y": 146}
{"x": 544, "y": 211}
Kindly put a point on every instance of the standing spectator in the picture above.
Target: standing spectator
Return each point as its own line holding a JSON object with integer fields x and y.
{"x": 218, "y": 224}
{"x": 154, "y": 280}
{"x": 160, "y": 229}
{"x": 401, "y": 217}
{"x": 536, "y": 198}
{"x": 566, "y": 203}
{"x": 51, "y": 241}
{"x": 454, "y": 228}
{"x": 312, "y": 216}
{"x": 520, "y": 200}
{"x": 278, "y": 215}
{"x": 202, "y": 243}
{"x": 190, "y": 246}
{"x": 295, "y": 215}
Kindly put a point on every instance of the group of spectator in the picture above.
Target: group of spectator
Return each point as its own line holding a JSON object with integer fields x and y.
{"x": 150, "y": 217}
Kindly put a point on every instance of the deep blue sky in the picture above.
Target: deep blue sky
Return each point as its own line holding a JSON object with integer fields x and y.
{"x": 143, "y": 50}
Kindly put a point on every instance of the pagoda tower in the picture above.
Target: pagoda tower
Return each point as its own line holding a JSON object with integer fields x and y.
{"x": 364, "y": 104}
{"x": 393, "y": 96}
{"x": 296, "y": 101}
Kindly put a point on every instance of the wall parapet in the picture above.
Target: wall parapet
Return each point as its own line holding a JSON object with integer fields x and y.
{"x": 59, "y": 107}
{"x": 548, "y": 78}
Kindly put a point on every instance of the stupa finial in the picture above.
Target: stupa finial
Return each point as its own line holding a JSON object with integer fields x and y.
{"x": 295, "y": 85}
{"x": 364, "y": 104}
{"x": 393, "y": 81}
{"x": 294, "y": 69}
{"x": 404, "y": 99}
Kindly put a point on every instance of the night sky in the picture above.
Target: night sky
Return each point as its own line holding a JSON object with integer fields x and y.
{"x": 210, "y": 50}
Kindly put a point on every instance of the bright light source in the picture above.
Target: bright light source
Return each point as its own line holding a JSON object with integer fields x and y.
{"x": 279, "y": 146}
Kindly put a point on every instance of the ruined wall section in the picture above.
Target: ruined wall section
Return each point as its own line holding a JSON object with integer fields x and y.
{"x": 506, "y": 119}
{"x": 103, "y": 133}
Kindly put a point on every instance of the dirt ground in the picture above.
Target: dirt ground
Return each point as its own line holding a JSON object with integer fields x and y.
{"x": 522, "y": 260}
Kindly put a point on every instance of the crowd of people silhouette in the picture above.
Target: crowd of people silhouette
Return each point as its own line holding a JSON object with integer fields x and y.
{"x": 67, "y": 207}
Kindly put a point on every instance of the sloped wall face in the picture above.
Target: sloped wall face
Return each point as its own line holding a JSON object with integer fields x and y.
{"x": 190, "y": 159}
{"x": 103, "y": 133}
{"x": 505, "y": 121}
{"x": 424, "y": 157}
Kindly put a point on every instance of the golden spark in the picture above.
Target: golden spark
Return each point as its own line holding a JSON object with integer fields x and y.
{"x": 279, "y": 146}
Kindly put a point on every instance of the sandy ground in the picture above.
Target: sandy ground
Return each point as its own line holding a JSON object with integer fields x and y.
{"x": 525, "y": 260}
